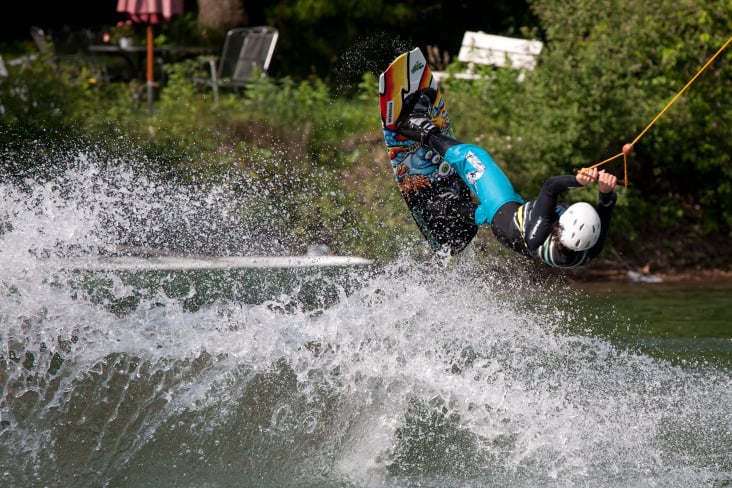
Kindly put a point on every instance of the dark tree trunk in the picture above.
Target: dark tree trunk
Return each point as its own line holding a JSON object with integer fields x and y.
{"x": 221, "y": 14}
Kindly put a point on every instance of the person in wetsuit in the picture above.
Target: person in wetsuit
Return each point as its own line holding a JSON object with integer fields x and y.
{"x": 558, "y": 234}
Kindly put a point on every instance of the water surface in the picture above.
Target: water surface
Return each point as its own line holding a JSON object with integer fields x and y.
{"x": 405, "y": 374}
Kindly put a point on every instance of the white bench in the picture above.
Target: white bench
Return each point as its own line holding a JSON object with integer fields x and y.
{"x": 491, "y": 50}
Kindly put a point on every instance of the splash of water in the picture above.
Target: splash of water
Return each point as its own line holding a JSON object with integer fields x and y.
{"x": 424, "y": 374}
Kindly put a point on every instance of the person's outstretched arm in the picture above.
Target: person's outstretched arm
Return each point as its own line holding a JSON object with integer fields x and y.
{"x": 540, "y": 214}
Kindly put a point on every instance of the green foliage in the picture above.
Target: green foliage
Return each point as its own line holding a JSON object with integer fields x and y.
{"x": 40, "y": 90}
{"x": 285, "y": 101}
{"x": 608, "y": 70}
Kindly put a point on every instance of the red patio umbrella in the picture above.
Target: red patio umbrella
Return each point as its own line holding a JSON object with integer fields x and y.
{"x": 150, "y": 12}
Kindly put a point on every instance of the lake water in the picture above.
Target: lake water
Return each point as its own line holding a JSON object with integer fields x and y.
{"x": 687, "y": 321}
{"x": 404, "y": 374}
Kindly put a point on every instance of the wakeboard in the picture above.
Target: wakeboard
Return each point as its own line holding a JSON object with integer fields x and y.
{"x": 424, "y": 178}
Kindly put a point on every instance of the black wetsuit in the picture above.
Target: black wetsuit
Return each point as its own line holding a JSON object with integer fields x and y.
{"x": 526, "y": 228}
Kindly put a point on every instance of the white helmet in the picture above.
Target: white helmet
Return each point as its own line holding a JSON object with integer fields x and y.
{"x": 580, "y": 227}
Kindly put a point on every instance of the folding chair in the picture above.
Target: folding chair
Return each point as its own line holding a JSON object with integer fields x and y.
{"x": 247, "y": 50}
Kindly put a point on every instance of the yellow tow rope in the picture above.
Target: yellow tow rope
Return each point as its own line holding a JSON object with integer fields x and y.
{"x": 628, "y": 148}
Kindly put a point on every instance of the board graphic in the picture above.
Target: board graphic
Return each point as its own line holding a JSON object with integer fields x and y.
{"x": 427, "y": 182}
{"x": 413, "y": 163}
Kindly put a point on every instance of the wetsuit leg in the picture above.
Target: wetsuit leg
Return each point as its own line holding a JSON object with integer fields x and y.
{"x": 477, "y": 168}
{"x": 441, "y": 142}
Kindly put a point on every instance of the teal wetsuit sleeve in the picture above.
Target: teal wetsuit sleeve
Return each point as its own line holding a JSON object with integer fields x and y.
{"x": 485, "y": 179}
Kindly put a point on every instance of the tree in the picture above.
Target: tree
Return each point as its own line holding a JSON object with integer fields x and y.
{"x": 339, "y": 40}
{"x": 221, "y": 15}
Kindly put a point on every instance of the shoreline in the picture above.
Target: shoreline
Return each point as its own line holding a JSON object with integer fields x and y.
{"x": 625, "y": 275}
